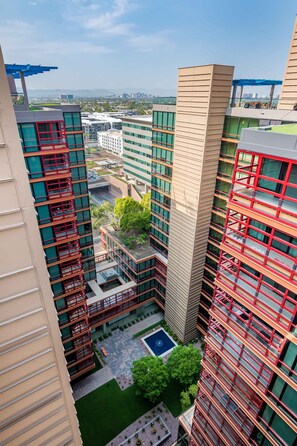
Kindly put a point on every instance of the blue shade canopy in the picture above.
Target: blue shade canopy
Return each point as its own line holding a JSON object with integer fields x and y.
{"x": 254, "y": 82}
{"x": 27, "y": 70}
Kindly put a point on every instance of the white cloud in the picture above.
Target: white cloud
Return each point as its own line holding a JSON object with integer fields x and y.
{"x": 19, "y": 38}
{"x": 150, "y": 42}
{"x": 105, "y": 18}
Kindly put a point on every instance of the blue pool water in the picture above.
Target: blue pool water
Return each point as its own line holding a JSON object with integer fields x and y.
{"x": 159, "y": 342}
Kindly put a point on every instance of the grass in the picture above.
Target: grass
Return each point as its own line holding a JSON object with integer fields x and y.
{"x": 145, "y": 330}
{"x": 106, "y": 411}
{"x": 91, "y": 164}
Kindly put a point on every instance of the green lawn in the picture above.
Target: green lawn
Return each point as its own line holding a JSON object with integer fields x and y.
{"x": 106, "y": 411}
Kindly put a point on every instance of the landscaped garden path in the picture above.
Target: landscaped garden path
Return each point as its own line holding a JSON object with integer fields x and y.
{"x": 122, "y": 350}
{"x": 107, "y": 411}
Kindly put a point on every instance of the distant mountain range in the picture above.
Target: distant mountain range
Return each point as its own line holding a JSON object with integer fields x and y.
{"x": 98, "y": 92}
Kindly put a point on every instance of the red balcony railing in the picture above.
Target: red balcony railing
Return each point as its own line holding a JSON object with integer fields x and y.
{"x": 108, "y": 302}
{"x": 51, "y": 135}
{"x": 59, "y": 188}
{"x": 55, "y": 164}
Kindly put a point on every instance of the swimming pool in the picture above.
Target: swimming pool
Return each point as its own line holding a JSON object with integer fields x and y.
{"x": 159, "y": 343}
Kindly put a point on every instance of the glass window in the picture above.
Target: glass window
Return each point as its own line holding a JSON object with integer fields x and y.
{"x": 28, "y": 137}
{"x": 39, "y": 191}
{"x": 273, "y": 169}
{"x": 292, "y": 191}
{"x": 34, "y": 166}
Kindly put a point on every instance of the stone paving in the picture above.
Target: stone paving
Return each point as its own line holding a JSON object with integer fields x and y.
{"x": 122, "y": 350}
{"x": 160, "y": 409}
{"x": 92, "y": 382}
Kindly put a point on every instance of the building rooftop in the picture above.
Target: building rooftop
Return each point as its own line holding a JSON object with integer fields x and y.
{"x": 140, "y": 118}
{"x": 139, "y": 252}
{"x": 289, "y": 129}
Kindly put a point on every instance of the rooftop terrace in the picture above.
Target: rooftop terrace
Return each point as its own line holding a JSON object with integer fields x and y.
{"x": 139, "y": 252}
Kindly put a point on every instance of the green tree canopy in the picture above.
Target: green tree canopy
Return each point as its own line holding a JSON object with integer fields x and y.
{"x": 187, "y": 397}
{"x": 184, "y": 364}
{"x": 146, "y": 201}
{"x": 126, "y": 205}
{"x": 150, "y": 376}
{"x": 102, "y": 214}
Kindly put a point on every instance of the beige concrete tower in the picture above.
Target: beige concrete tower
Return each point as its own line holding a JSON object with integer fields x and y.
{"x": 36, "y": 404}
{"x": 288, "y": 96}
{"x": 203, "y": 94}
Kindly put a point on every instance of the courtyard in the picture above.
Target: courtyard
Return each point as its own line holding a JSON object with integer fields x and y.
{"x": 109, "y": 408}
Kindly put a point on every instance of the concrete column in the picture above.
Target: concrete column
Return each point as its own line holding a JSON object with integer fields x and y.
{"x": 26, "y": 100}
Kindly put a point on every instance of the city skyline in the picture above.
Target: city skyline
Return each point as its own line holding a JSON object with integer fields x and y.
{"x": 118, "y": 44}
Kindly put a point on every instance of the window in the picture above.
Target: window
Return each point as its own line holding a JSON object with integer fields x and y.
{"x": 275, "y": 170}
{"x": 28, "y": 137}
{"x": 72, "y": 121}
{"x": 77, "y": 157}
{"x": 75, "y": 141}
{"x": 39, "y": 191}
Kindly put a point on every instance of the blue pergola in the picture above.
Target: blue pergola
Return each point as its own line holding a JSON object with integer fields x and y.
{"x": 17, "y": 71}
{"x": 253, "y": 83}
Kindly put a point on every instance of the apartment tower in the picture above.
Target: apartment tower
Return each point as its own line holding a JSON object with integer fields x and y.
{"x": 53, "y": 149}
{"x": 36, "y": 400}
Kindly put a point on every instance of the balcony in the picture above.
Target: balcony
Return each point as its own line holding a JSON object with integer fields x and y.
{"x": 72, "y": 316}
{"x": 239, "y": 355}
{"x": 231, "y": 382}
{"x": 59, "y": 188}
{"x": 248, "y": 326}
{"x": 55, "y": 164}
{"x": 71, "y": 301}
{"x": 65, "y": 231}
{"x": 226, "y": 405}
{"x": 65, "y": 269}
{"x": 109, "y": 302}
{"x": 217, "y": 421}
{"x": 51, "y": 135}
{"x": 75, "y": 331}
{"x": 276, "y": 305}
{"x": 263, "y": 253}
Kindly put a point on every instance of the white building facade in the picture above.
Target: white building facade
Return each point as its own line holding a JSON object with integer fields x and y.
{"x": 111, "y": 141}
{"x": 137, "y": 148}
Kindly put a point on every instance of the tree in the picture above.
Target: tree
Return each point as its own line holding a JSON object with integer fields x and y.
{"x": 184, "y": 364}
{"x": 126, "y": 205}
{"x": 187, "y": 397}
{"x": 102, "y": 214}
{"x": 150, "y": 376}
{"x": 185, "y": 401}
{"x": 146, "y": 201}
{"x": 137, "y": 222}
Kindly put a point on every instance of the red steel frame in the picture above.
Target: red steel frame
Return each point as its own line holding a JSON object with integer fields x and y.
{"x": 248, "y": 311}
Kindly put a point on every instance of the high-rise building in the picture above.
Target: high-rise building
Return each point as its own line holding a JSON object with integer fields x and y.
{"x": 37, "y": 406}
{"x": 137, "y": 148}
{"x": 53, "y": 151}
{"x": 247, "y": 391}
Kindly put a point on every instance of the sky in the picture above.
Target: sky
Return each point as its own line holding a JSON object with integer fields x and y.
{"x": 139, "y": 44}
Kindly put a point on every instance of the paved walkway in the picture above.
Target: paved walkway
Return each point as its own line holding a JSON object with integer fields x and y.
{"x": 122, "y": 350}
{"x": 92, "y": 382}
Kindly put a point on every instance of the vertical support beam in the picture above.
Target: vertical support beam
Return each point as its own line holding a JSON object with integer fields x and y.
{"x": 233, "y": 97}
{"x": 271, "y": 95}
{"x": 198, "y": 133}
{"x": 26, "y": 100}
{"x": 240, "y": 96}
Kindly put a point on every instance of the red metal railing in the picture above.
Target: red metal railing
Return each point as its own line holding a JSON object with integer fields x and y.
{"x": 51, "y": 135}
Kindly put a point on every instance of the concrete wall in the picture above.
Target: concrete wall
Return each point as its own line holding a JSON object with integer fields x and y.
{"x": 203, "y": 94}
{"x": 36, "y": 403}
{"x": 288, "y": 96}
